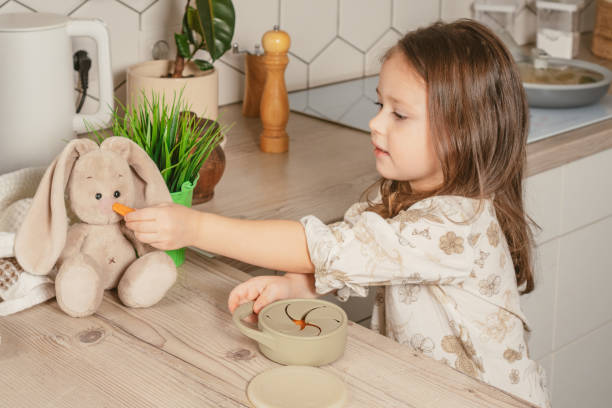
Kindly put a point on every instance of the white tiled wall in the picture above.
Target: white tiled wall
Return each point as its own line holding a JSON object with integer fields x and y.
{"x": 452, "y": 10}
{"x": 332, "y": 40}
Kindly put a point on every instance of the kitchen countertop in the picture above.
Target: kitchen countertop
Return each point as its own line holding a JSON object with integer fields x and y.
{"x": 186, "y": 352}
{"x": 575, "y": 144}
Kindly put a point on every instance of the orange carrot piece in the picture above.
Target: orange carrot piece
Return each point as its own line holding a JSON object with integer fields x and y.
{"x": 122, "y": 209}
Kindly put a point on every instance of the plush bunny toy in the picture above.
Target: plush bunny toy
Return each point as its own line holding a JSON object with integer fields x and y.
{"x": 99, "y": 252}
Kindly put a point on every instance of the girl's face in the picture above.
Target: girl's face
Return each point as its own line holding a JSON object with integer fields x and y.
{"x": 400, "y": 130}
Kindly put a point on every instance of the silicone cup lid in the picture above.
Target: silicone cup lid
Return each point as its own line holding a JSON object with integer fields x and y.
{"x": 297, "y": 387}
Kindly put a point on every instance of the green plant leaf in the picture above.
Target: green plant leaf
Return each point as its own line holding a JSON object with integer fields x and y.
{"x": 203, "y": 65}
{"x": 217, "y": 18}
{"x": 177, "y": 143}
{"x": 182, "y": 45}
{"x": 188, "y": 28}
{"x": 194, "y": 23}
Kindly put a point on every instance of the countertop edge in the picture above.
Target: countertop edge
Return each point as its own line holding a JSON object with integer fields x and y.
{"x": 567, "y": 147}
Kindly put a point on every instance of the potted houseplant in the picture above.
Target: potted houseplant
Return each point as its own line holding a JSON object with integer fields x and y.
{"x": 209, "y": 27}
{"x": 175, "y": 139}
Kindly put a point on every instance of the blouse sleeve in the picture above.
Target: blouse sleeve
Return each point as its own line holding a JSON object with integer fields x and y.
{"x": 416, "y": 247}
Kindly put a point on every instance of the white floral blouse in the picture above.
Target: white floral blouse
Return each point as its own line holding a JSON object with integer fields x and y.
{"x": 448, "y": 287}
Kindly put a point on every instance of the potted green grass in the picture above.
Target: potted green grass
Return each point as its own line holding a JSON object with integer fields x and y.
{"x": 175, "y": 139}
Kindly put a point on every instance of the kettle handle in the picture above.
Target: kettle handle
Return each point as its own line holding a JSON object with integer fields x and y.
{"x": 243, "y": 311}
{"x": 96, "y": 29}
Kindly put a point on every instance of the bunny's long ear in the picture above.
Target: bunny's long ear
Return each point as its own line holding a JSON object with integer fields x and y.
{"x": 149, "y": 184}
{"x": 42, "y": 236}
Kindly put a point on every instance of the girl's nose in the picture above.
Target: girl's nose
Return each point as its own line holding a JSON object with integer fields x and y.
{"x": 376, "y": 123}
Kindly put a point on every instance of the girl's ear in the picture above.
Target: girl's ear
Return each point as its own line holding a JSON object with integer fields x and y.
{"x": 149, "y": 186}
{"x": 42, "y": 236}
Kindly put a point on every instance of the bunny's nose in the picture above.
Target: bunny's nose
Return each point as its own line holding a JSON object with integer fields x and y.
{"x": 105, "y": 205}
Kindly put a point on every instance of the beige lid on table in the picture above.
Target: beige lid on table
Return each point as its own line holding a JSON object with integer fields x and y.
{"x": 297, "y": 387}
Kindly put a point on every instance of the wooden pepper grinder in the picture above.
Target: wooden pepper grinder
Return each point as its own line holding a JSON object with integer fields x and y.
{"x": 274, "y": 108}
{"x": 255, "y": 78}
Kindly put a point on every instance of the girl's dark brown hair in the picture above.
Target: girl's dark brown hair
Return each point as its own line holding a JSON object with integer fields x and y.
{"x": 478, "y": 122}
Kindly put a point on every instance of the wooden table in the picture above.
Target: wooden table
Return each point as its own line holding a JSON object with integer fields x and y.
{"x": 185, "y": 352}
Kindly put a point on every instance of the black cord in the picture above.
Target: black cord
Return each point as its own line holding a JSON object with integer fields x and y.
{"x": 82, "y": 64}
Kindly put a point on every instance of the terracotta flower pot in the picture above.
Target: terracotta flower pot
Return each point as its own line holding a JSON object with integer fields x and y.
{"x": 212, "y": 169}
{"x": 210, "y": 174}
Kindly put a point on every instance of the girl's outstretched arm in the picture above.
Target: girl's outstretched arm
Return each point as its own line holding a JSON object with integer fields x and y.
{"x": 273, "y": 244}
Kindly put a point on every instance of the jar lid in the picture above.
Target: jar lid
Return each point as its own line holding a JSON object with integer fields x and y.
{"x": 312, "y": 318}
{"x": 297, "y": 387}
{"x": 31, "y": 21}
{"x": 565, "y": 5}
{"x": 495, "y": 8}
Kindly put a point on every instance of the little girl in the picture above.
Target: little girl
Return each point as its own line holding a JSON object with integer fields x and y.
{"x": 447, "y": 240}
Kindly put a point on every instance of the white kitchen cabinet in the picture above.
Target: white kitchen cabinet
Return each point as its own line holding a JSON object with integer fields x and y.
{"x": 570, "y": 311}
{"x": 584, "y": 301}
{"x": 543, "y": 198}
{"x": 582, "y": 371}
{"x": 587, "y": 192}
{"x": 540, "y": 303}
{"x": 356, "y": 308}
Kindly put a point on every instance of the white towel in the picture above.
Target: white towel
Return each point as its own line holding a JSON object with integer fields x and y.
{"x": 19, "y": 289}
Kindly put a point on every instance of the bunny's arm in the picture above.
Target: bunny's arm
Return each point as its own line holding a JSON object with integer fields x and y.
{"x": 140, "y": 247}
{"x": 74, "y": 241}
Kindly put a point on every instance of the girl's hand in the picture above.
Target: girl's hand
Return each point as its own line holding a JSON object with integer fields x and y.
{"x": 164, "y": 226}
{"x": 267, "y": 289}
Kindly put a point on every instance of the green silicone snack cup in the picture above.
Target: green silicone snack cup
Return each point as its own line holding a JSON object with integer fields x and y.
{"x": 182, "y": 197}
{"x": 297, "y": 331}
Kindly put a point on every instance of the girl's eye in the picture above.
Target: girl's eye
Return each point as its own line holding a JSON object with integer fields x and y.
{"x": 397, "y": 115}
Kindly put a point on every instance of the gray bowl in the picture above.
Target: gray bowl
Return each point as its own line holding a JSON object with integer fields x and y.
{"x": 569, "y": 96}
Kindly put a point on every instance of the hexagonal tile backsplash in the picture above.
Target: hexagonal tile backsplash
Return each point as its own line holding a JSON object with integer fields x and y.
{"x": 332, "y": 40}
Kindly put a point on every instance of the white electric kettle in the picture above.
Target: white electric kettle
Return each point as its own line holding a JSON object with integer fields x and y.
{"x": 37, "y": 98}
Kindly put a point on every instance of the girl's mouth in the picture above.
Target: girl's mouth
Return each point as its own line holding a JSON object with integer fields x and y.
{"x": 379, "y": 152}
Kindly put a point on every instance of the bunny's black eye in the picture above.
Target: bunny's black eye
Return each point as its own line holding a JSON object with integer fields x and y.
{"x": 117, "y": 194}
{"x": 98, "y": 196}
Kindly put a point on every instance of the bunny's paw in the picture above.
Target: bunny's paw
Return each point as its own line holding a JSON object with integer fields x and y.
{"x": 147, "y": 280}
{"x": 78, "y": 286}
